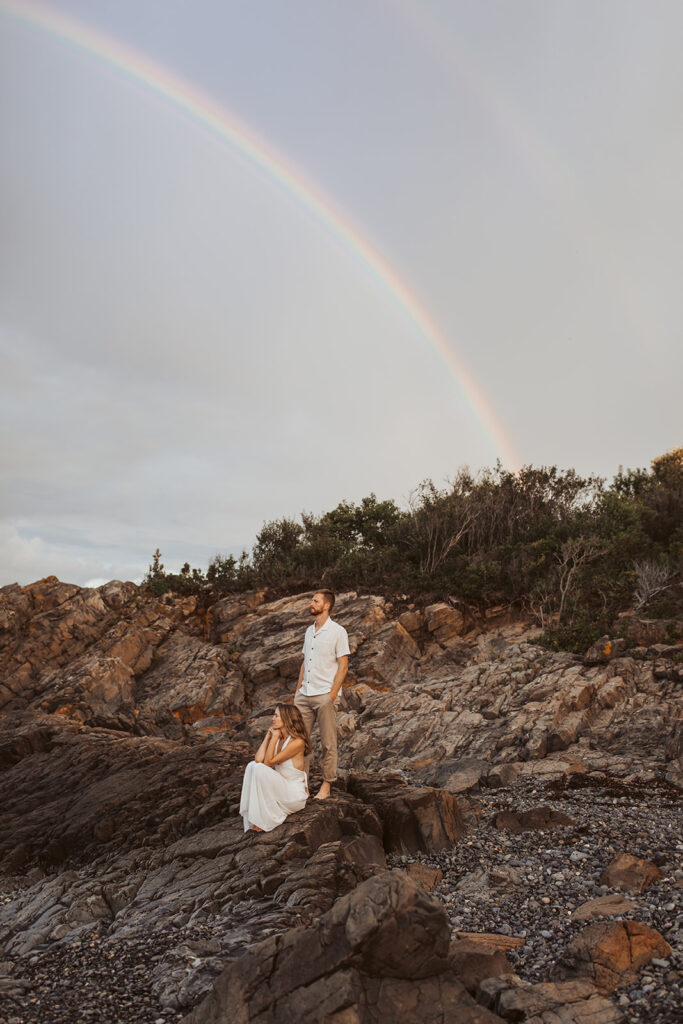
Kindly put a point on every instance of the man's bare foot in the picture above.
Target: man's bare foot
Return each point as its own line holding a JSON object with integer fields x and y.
{"x": 255, "y": 828}
{"x": 323, "y": 792}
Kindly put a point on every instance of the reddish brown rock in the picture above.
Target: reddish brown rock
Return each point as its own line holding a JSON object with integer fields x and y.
{"x": 568, "y": 730}
{"x": 425, "y": 876}
{"x": 412, "y": 621}
{"x": 525, "y": 821}
{"x": 387, "y": 659}
{"x": 413, "y": 818}
{"x": 502, "y": 775}
{"x": 472, "y": 961}
{"x": 443, "y": 622}
{"x": 632, "y": 874}
{"x": 609, "y": 952}
{"x": 493, "y": 940}
{"x": 567, "y": 1002}
{"x": 222, "y": 615}
{"x": 612, "y": 905}
{"x": 455, "y": 775}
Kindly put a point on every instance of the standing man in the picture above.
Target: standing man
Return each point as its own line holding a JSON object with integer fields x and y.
{"x": 326, "y": 662}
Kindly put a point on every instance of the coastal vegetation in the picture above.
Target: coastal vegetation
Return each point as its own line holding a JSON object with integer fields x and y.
{"x": 573, "y": 552}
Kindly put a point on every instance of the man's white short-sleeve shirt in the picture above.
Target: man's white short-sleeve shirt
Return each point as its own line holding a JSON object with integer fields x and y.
{"x": 321, "y": 650}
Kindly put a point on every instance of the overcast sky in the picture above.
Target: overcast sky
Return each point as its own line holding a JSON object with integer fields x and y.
{"x": 187, "y": 350}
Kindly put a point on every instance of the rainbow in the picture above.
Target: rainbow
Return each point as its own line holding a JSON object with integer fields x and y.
{"x": 223, "y": 125}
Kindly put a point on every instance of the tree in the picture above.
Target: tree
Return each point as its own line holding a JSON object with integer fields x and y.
{"x": 155, "y": 578}
{"x": 574, "y": 554}
{"x": 276, "y": 549}
{"x": 366, "y": 525}
{"x": 155, "y": 570}
{"x": 438, "y": 522}
{"x": 668, "y": 467}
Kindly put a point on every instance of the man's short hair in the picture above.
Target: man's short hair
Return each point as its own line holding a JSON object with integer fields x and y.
{"x": 329, "y": 597}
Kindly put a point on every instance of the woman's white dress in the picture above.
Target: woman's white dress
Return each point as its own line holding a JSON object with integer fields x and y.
{"x": 270, "y": 794}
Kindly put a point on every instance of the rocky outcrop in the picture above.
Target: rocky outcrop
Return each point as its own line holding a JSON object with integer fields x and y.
{"x": 72, "y": 793}
{"x": 127, "y": 836}
{"x": 125, "y": 725}
{"x": 476, "y": 712}
{"x": 604, "y": 649}
{"x": 444, "y": 622}
{"x": 531, "y": 714}
{"x": 156, "y": 815}
{"x": 381, "y": 953}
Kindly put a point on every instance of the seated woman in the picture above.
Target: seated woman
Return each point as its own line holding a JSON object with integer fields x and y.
{"x": 275, "y": 782}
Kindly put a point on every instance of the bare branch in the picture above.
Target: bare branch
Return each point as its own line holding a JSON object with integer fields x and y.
{"x": 653, "y": 579}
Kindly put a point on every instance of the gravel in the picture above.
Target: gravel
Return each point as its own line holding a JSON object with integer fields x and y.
{"x": 89, "y": 980}
{"x": 109, "y": 980}
{"x": 560, "y": 868}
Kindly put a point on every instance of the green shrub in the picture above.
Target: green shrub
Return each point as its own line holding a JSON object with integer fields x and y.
{"x": 562, "y": 547}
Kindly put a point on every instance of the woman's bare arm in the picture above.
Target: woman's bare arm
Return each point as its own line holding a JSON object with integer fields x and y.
{"x": 294, "y": 746}
{"x": 260, "y": 754}
{"x": 272, "y": 746}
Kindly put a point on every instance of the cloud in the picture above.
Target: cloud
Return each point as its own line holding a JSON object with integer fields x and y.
{"x": 26, "y": 557}
{"x": 186, "y": 353}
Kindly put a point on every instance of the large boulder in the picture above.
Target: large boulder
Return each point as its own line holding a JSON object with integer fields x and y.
{"x": 610, "y": 952}
{"x": 380, "y": 953}
{"x": 413, "y": 818}
{"x": 443, "y": 622}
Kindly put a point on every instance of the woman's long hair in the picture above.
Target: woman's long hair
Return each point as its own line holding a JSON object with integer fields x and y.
{"x": 294, "y": 724}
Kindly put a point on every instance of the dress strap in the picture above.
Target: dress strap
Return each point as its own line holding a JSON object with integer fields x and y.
{"x": 279, "y": 749}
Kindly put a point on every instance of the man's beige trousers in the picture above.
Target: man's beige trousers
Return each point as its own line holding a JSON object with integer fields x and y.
{"x": 321, "y": 709}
